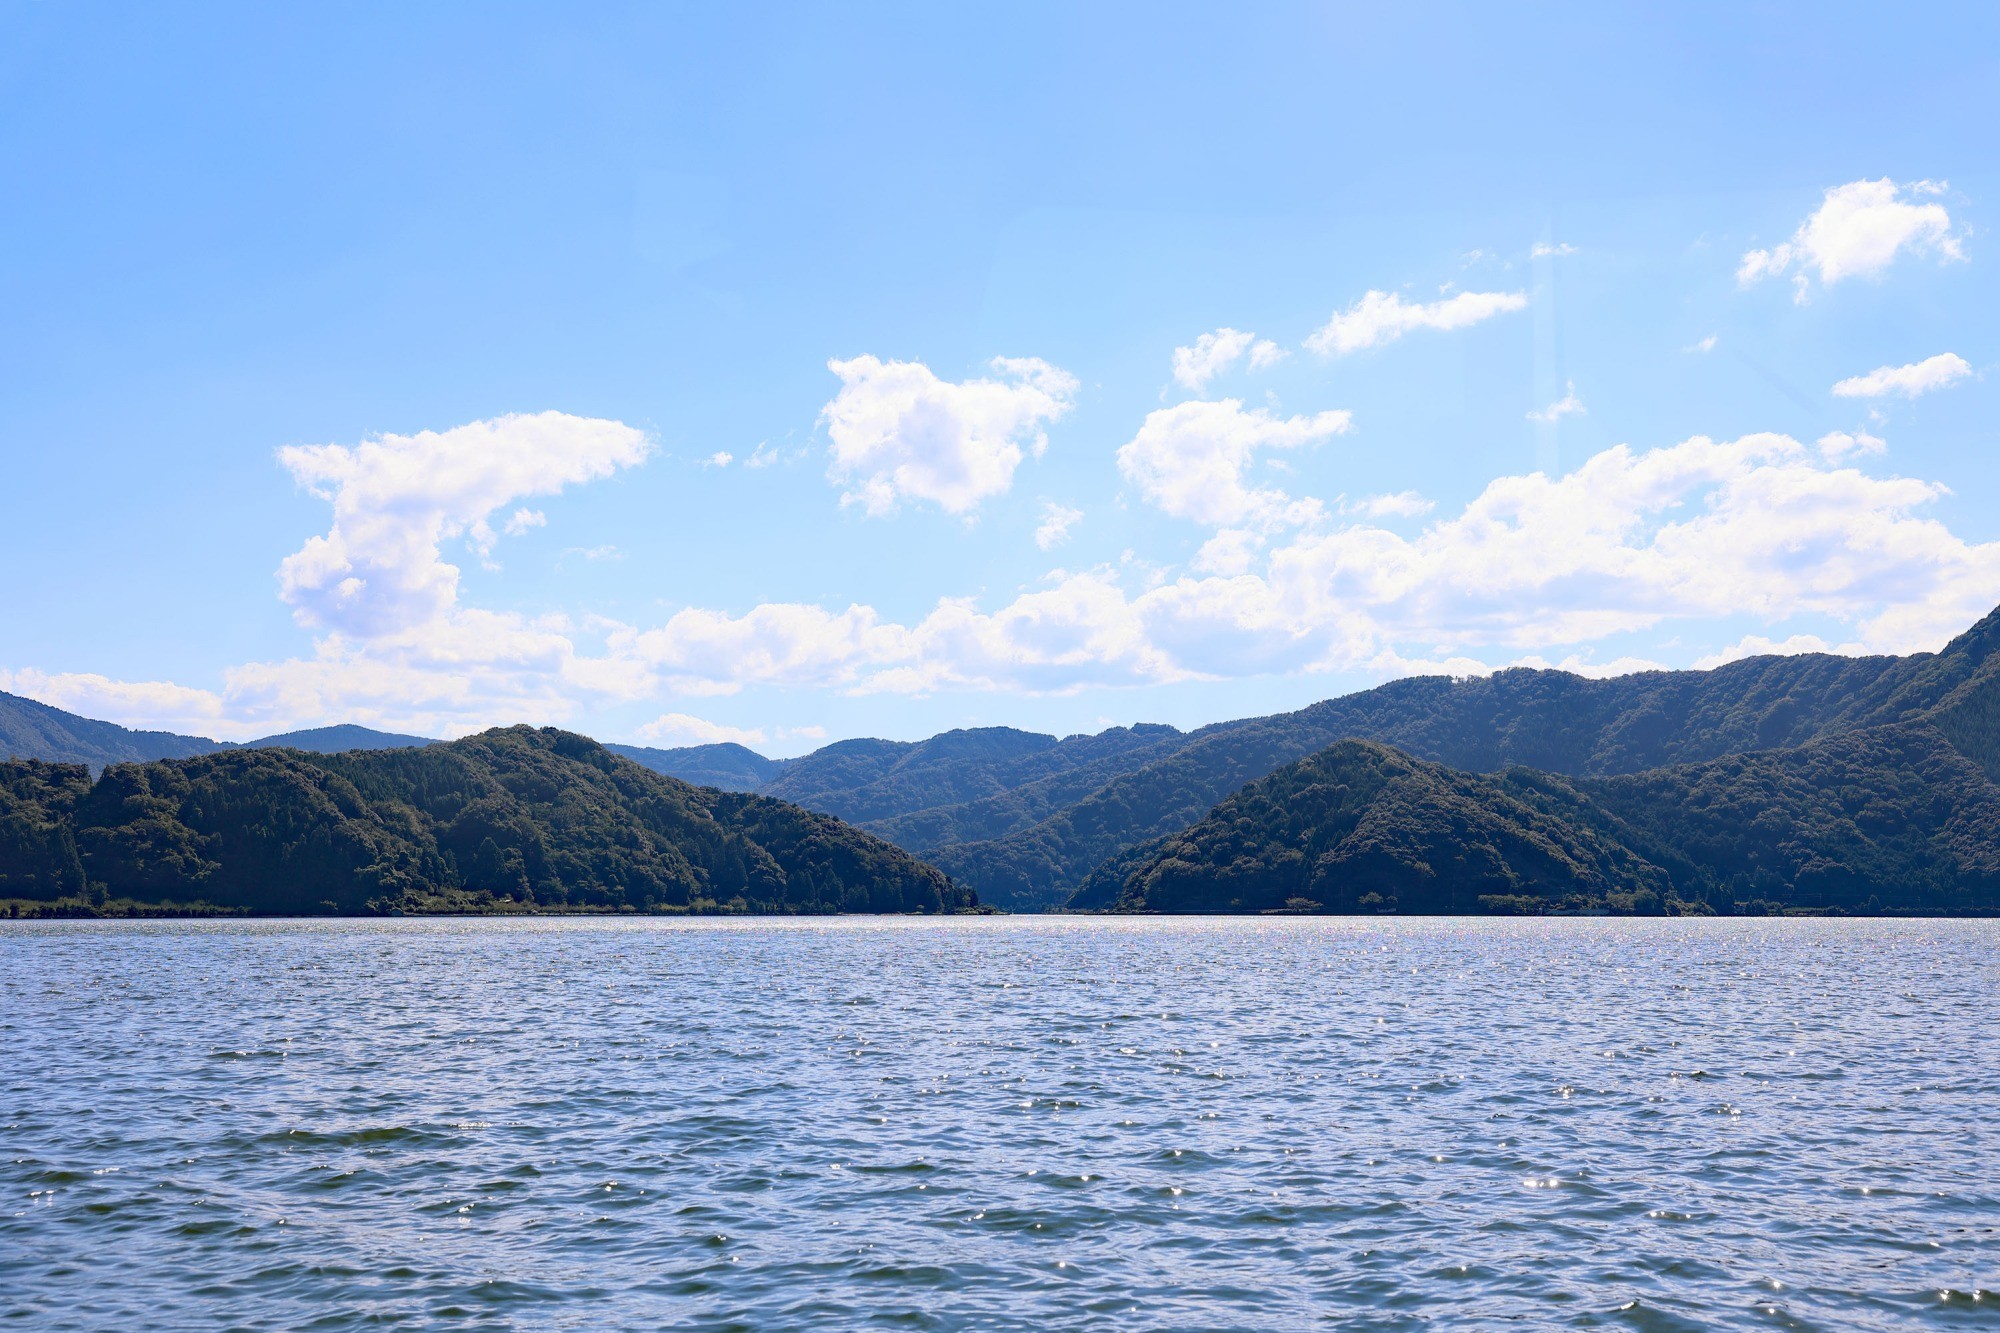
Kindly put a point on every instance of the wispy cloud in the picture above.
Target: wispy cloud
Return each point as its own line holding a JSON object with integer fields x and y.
{"x": 1383, "y": 317}
{"x": 1937, "y": 372}
{"x": 1057, "y": 520}
{"x": 1567, "y": 405}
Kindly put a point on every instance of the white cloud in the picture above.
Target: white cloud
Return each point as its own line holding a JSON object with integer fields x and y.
{"x": 721, "y": 458}
{"x": 1543, "y": 250}
{"x": 1400, "y": 504}
{"x": 1579, "y": 664}
{"x": 1057, "y": 520}
{"x": 1837, "y": 446}
{"x": 1937, "y": 372}
{"x": 1702, "y": 345}
{"x": 378, "y": 569}
{"x": 1567, "y": 405}
{"x": 1691, "y": 533}
{"x": 1757, "y": 645}
{"x": 1383, "y": 317}
{"x": 899, "y": 432}
{"x": 1189, "y": 461}
{"x": 524, "y": 519}
{"x": 684, "y": 729}
{"x": 762, "y": 456}
{"x": 1211, "y": 354}
{"x": 1229, "y": 552}
{"x": 1264, "y": 354}
{"x": 1214, "y": 353}
{"x": 1858, "y": 231}
{"x": 155, "y": 705}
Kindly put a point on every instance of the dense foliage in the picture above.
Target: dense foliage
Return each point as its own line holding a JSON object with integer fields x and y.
{"x": 1359, "y": 826}
{"x": 875, "y": 782}
{"x": 1890, "y": 818}
{"x": 1549, "y": 720}
{"x": 516, "y": 817}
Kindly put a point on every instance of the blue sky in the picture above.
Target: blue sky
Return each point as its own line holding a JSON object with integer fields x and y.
{"x": 378, "y": 364}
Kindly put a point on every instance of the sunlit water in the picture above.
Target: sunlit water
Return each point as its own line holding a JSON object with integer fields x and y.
{"x": 1000, "y": 1123}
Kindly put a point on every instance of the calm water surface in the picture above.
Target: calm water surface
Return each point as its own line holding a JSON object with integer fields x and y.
{"x": 1000, "y": 1123}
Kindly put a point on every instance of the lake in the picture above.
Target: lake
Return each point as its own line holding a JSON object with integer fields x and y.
{"x": 1000, "y": 1123}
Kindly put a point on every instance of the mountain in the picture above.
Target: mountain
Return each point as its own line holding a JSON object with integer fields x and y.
{"x": 509, "y": 818}
{"x": 1360, "y": 826}
{"x": 31, "y": 730}
{"x": 878, "y": 781}
{"x": 1551, "y": 720}
{"x": 333, "y": 740}
{"x": 727, "y": 765}
{"x": 1893, "y": 818}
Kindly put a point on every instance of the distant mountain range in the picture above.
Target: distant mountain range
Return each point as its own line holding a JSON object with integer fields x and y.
{"x": 31, "y": 730}
{"x": 1794, "y": 782}
{"x": 729, "y": 766}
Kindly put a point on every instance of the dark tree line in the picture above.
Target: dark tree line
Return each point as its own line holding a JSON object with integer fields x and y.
{"x": 512, "y": 818}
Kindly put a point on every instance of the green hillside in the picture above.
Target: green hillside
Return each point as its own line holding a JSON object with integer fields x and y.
{"x": 726, "y": 765}
{"x": 1549, "y": 720}
{"x": 1891, "y": 818}
{"x": 508, "y": 819}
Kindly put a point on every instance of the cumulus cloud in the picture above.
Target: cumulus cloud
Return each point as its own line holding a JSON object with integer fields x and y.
{"x": 1758, "y": 645}
{"x": 1214, "y": 353}
{"x": 1190, "y": 461}
{"x": 396, "y": 498}
{"x": 1382, "y": 317}
{"x": 721, "y": 458}
{"x": 1701, "y": 345}
{"x": 899, "y": 432}
{"x": 1838, "y": 446}
{"x": 1543, "y": 250}
{"x": 1633, "y": 539}
{"x": 686, "y": 729}
{"x": 151, "y": 704}
{"x": 1264, "y": 354}
{"x": 1400, "y": 504}
{"x": 1057, "y": 520}
{"x": 524, "y": 519}
{"x": 1567, "y": 405}
{"x": 1535, "y": 567}
{"x": 1857, "y": 231}
{"x": 1937, "y": 372}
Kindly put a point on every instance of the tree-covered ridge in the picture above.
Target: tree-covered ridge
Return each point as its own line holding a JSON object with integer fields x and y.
{"x": 1549, "y": 720}
{"x": 33, "y": 730}
{"x": 725, "y": 765}
{"x": 515, "y": 816}
{"x": 1359, "y": 827}
{"x": 876, "y": 781}
{"x": 1890, "y": 818}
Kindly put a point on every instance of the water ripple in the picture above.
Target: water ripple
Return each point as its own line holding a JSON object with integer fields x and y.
{"x": 1012, "y": 1123}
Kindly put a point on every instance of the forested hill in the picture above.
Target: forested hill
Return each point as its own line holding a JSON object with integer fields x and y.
{"x": 1890, "y": 818}
{"x": 874, "y": 780}
{"x": 508, "y": 818}
{"x": 32, "y": 730}
{"x": 1550, "y": 720}
{"x": 727, "y": 765}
